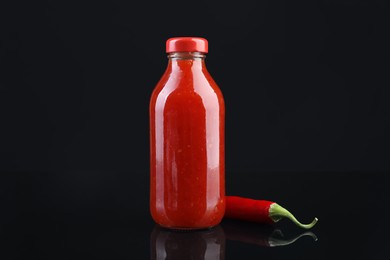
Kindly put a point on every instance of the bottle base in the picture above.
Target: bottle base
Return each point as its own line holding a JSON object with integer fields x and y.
{"x": 186, "y": 229}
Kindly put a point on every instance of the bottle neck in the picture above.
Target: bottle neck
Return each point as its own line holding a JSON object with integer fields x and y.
{"x": 180, "y": 60}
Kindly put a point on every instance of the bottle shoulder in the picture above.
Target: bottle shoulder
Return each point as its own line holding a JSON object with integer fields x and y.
{"x": 198, "y": 82}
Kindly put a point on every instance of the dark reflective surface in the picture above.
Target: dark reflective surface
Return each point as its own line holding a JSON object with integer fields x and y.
{"x": 202, "y": 244}
{"x": 211, "y": 244}
{"x": 104, "y": 215}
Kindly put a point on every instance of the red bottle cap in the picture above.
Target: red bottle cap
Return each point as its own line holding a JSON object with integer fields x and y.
{"x": 184, "y": 44}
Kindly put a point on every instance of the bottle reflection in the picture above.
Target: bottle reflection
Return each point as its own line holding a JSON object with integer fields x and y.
{"x": 202, "y": 244}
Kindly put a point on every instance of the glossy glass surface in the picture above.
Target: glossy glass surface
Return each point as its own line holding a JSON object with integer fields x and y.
{"x": 95, "y": 215}
{"x": 187, "y": 183}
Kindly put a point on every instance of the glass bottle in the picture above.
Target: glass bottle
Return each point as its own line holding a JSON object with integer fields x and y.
{"x": 187, "y": 120}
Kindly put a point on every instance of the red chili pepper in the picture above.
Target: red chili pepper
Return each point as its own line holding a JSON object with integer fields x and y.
{"x": 262, "y": 211}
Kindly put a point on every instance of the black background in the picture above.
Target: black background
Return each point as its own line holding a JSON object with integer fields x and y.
{"x": 306, "y": 84}
{"x": 306, "y": 88}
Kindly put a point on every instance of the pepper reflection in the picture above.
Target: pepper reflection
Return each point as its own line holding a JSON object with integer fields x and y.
{"x": 210, "y": 244}
{"x": 203, "y": 244}
{"x": 260, "y": 235}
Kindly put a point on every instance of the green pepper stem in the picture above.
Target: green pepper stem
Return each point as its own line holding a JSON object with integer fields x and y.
{"x": 277, "y": 212}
